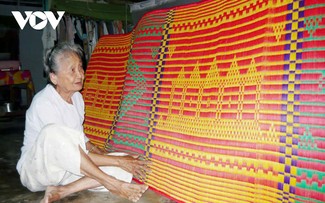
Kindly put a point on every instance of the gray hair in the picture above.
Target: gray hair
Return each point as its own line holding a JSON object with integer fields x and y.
{"x": 51, "y": 60}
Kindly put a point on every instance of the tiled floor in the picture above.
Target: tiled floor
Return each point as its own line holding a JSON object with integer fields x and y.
{"x": 11, "y": 190}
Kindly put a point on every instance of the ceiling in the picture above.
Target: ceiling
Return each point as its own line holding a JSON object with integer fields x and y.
{"x": 36, "y": 3}
{"x": 39, "y": 3}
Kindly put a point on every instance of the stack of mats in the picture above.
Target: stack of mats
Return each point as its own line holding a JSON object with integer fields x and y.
{"x": 226, "y": 97}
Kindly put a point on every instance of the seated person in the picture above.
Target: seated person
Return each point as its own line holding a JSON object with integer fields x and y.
{"x": 56, "y": 156}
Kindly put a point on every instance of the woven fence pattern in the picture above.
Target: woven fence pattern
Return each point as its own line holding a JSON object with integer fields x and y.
{"x": 227, "y": 100}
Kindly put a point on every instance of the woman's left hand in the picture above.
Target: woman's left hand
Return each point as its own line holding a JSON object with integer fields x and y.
{"x": 135, "y": 165}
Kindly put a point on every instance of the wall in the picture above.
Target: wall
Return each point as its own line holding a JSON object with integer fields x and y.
{"x": 30, "y": 48}
{"x": 31, "y": 55}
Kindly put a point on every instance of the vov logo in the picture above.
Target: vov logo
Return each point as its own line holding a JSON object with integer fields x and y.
{"x": 32, "y": 16}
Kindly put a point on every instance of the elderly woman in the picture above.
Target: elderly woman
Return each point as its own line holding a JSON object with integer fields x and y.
{"x": 56, "y": 155}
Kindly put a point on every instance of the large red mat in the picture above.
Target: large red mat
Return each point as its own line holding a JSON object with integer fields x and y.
{"x": 225, "y": 97}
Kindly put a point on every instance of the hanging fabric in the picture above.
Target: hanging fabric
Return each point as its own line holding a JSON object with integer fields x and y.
{"x": 80, "y": 30}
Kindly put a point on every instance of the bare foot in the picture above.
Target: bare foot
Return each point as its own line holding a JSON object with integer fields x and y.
{"x": 52, "y": 194}
{"x": 129, "y": 191}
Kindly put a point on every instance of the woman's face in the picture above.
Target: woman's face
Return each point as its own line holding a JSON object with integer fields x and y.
{"x": 70, "y": 75}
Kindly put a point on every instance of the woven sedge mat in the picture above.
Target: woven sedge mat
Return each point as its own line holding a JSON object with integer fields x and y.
{"x": 227, "y": 99}
{"x": 103, "y": 86}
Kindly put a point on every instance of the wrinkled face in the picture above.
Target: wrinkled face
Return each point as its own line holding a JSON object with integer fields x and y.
{"x": 70, "y": 76}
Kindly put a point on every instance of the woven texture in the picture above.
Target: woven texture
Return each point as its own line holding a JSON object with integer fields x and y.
{"x": 103, "y": 87}
{"x": 227, "y": 100}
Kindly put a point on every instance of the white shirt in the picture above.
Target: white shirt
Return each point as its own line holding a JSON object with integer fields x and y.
{"x": 49, "y": 107}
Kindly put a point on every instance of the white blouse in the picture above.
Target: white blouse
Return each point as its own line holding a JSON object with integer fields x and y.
{"x": 49, "y": 107}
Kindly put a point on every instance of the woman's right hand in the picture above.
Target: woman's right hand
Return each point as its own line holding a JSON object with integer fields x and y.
{"x": 94, "y": 149}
